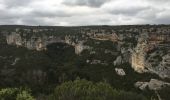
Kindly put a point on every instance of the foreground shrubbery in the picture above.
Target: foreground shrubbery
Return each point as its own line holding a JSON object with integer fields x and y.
{"x": 164, "y": 93}
{"x": 74, "y": 90}
{"x": 15, "y": 94}
{"x": 86, "y": 90}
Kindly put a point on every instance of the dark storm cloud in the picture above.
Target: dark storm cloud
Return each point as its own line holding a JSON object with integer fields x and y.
{"x": 91, "y": 3}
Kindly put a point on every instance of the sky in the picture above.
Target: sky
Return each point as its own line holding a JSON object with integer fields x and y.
{"x": 84, "y": 12}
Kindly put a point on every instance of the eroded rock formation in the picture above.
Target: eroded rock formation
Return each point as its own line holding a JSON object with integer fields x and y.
{"x": 139, "y": 56}
{"x": 153, "y": 84}
{"x": 39, "y": 43}
{"x": 120, "y": 71}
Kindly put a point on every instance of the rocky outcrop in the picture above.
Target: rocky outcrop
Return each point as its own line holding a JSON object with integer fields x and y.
{"x": 118, "y": 61}
{"x": 139, "y": 56}
{"x": 103, "y": 36}
{"x": 120, "y": 71}
{"x": 79, "y": 48}
{"x": 39, "y": 43}
{"x": 160, "y": 65}
{"x": 125, "y": 57}
{"x": 141, "y": 85}
{"x": 14, "y": 38}
{"x": 153, "y": 84}
{"x": 157, "y": 61}
{"x": 96, "y": 61}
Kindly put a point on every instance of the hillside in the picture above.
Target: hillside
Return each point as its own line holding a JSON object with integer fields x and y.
{"x": 132, "y": 58}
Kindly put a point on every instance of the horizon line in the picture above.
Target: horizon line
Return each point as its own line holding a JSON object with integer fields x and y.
{"x": 82, "y": 25}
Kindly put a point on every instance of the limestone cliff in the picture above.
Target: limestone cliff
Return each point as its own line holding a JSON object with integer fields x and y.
{"x": 160, "y": 65}
{"x": 139, "y": 56}
{"x": 14, "y": 38}
{"x": 155, "y": 62}
{"x": 39, "y": 43}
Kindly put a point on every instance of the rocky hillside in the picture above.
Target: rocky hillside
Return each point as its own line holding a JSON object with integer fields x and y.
{"x": 127, "y": 57}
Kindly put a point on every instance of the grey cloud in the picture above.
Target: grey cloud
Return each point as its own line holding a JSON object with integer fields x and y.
{"x": 91, "y": 3}
{"x": 30, "y": 19}
{"x": 162, "y": 21}
{"x": 5, "y": 14}
{"x": 8, "y": 21}
{"x": 33, "y": 12}
{"x": 36, "y": 16}
{"x": 33, "y": 21}
{"x": 163, "y": 18}
{"x": 158, "y": 1}
{"x": 16, "y": 3}
{"x": 129, "y": 11}
{"x": 50, "y": 14}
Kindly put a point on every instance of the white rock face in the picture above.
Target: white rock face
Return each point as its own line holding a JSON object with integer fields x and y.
{"x": 118, "y": 61}
{"x": 157, "y": 62}
{"x": 166, "y": 60}
{"x": 141, "y": 85}
{"x": 139, "y": 56}
{"x": 123, "y": 50}
{"x": 156, "y": 84}
{"x": 33, "y": 43}
{"x": 159, "y": 67}
{"x": 153, "y": 84}
{"x": 120, "y": 71}
{"x": 79, "y": 48}
{"x": 14, "y": 38}
{"x": 39, "y": 43}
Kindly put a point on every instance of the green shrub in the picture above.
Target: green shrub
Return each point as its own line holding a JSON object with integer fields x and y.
{"x": 15, "y": 94}
{"x": 24, "y": 95}
{"x": 86, "y": 90}
{"x": 164, "y": 93}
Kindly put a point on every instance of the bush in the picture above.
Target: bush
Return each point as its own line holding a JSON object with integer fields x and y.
{"x": 86, "y": 90}
{"x": 24, "y": 95}
{"x": 15, "y": 94}
{"x": 164, "y": 93}
{"x": 8, "y": 93}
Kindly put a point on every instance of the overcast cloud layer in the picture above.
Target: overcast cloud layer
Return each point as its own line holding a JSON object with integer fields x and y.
{"x": 84, "y": 12}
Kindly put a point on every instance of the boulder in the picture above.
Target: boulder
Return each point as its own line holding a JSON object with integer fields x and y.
{"x": 120, "y": 71}
{"x": 153, "y": 84}
{"x": 141, "y": 85}
{"x": 118, "y": 61}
